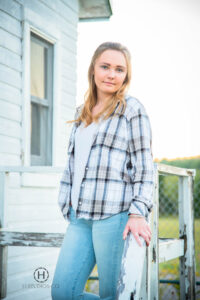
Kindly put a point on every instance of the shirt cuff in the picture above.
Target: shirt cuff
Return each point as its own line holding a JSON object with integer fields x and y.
{"x": 138, "y": 208}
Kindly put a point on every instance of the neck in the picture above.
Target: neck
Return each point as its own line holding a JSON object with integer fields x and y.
{"x": 103, "y": 99}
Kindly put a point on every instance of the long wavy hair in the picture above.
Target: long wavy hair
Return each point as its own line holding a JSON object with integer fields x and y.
{"x": 90, "y": 97}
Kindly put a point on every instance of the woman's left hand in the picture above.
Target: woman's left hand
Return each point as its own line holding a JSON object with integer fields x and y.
{"x": 138, "y": 227}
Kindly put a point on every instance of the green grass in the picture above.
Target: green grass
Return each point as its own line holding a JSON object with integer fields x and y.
{"x": 168, "y": 228}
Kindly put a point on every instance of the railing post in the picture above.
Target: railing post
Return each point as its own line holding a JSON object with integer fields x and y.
{"x": 150, "y": 281}
{"x": 153, "y": 255}
{"x": 186, "y": 232}
{"x": 3, "y": 250}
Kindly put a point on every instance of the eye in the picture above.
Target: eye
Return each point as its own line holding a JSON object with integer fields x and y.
{"x": 104, "y": 67}
{"x": 120, "y": 70}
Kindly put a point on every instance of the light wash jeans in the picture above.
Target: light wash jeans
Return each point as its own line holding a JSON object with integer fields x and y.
{"x": 85, "y": 244}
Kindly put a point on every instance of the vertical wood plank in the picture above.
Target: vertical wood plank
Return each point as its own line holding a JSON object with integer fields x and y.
{"x": 150, "y": 280}
{"x": 3, "y": 250}
{"x": 145, "y": 277}
{"x": 186, "y": 232}
{"x": 153, "y": 256}
{"x": 129, "y": 282}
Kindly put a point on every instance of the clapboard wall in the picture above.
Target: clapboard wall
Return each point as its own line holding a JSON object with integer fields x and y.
{"x": 30, "y": 201}
{"x": 58, "y": 21}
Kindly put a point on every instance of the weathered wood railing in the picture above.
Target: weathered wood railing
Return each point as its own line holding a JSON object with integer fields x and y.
{"x": 160, "y": 250}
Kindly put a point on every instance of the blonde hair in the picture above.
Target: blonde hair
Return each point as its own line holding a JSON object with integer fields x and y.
{"x": 90, "y": 98}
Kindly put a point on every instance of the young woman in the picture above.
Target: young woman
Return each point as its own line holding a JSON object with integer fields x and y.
{"x": 107, "y": 186}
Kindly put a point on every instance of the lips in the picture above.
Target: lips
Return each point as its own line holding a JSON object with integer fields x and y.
{"x": 110, "y": 83}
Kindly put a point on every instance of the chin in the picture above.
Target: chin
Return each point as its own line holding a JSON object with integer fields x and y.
{"x": 109, "y": 90}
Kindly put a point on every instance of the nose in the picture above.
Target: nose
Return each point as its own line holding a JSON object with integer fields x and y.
{"x": 111, "y": 73}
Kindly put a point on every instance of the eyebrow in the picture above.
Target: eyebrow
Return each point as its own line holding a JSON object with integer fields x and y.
{"x": 119, "y": 66}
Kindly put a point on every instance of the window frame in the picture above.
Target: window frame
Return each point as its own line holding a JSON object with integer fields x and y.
{"x": 52, "y": 36}
{"x": 45, "y": 157}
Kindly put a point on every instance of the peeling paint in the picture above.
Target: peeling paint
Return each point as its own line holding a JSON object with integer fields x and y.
{"x": 131, "y": 269}
{"x": 154, "y": 254}
{"x": 33, "y": 239}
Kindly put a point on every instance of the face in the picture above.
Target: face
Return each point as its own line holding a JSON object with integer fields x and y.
{"x": 110, "y": 71}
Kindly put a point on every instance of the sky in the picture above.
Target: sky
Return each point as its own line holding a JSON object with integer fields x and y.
{"x": 164, "y": 41}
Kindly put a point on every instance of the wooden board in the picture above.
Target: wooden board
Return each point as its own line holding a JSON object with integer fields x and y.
{"x": 131, "y": 269}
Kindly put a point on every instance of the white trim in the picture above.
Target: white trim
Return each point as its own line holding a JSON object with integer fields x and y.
{"x": 56, "y": 101}
{"x": 31, "y": 169}
{"x": 30, "y": 24}
{"x": 42, "y": 35}
{"x": 26, "y": 95}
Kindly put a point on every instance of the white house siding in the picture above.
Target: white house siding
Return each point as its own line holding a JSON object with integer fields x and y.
{"x": 62, "y": 17}
{"x": 31, "y": 199}
{"x": 10, "y": 82}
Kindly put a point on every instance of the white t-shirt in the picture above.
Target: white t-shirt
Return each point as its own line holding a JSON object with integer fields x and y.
{"x": 83, "y": 143}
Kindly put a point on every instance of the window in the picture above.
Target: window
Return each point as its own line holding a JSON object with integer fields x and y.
{"x": 41, "y": 100}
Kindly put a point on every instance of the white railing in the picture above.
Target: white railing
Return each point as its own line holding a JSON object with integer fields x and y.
{"x": 184, "y": 247}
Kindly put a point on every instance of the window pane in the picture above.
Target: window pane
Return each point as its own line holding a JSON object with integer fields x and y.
{"x": 35, "y": 129}
{"x": 41, "y": 65}
{"x": 38, "y": 53}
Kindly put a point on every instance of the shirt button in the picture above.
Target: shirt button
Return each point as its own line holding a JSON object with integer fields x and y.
{"x": 80, "y": 202}
{"x": 82, "y": 184}
{"x": 86, "y": 168}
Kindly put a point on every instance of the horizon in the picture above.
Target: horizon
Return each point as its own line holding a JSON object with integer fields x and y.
{"x": 177, "y": 158}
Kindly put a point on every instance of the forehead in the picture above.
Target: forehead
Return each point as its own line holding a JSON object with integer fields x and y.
{"x": 112, "y": 57}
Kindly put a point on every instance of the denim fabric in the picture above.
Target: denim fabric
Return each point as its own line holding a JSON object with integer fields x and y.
{"x": 86, "y": 243}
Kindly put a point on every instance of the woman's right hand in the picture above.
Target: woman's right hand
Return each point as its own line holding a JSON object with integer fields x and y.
{"x": 138, "y": 227}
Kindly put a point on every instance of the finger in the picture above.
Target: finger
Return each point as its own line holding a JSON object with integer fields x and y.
{"x": 136, "y": 236}
{"x": 126, "y": 230}
{"x": 148, "y": 234}
{"x": 147, "y": 242}
{"x": 146, "y": 237}
{"x": 149, "y": 230}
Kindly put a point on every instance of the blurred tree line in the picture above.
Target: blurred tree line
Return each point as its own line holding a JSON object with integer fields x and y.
{"x": 168, "y": 187}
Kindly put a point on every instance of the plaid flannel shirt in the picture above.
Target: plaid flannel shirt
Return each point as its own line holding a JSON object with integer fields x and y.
{"x": 119, "y": 174}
